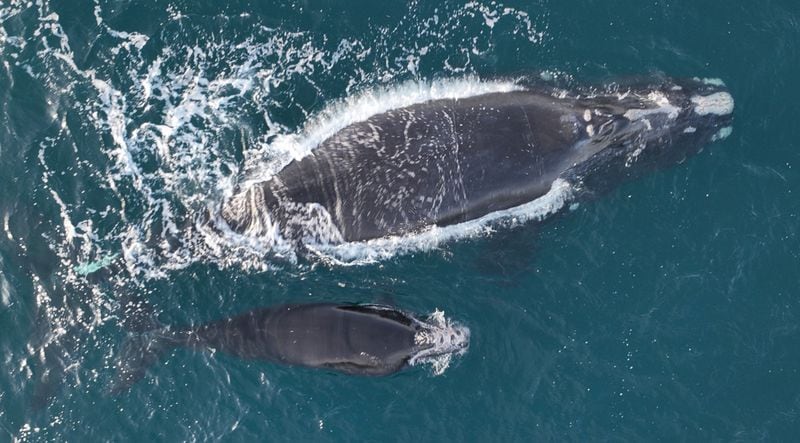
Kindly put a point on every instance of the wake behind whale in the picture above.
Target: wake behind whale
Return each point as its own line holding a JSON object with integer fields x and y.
{"x": 451, "y": 166}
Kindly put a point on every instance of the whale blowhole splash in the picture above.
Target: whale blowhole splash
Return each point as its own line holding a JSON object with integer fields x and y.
{"x": 439, "y": 340}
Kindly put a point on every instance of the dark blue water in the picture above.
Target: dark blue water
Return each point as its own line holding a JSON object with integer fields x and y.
{"x": 667, "y": 309}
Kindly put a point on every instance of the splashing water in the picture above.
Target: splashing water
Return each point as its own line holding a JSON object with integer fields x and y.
{"x": 189, "y": 123}
{"x": 442, "y": 339}
{"x": 163, "y": 126}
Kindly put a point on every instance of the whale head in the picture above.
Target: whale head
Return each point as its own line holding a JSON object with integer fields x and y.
{"x": 437, "y": 339}
{"x": 647, "y": 126}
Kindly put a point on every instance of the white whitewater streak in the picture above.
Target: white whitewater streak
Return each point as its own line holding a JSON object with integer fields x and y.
{"x": 5, "y": 289}
{"x": 359, "y": 253}
{"x": 69, "y": 228}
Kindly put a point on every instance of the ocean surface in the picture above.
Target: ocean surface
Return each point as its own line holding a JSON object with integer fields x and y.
{"x": 667, "y": 309}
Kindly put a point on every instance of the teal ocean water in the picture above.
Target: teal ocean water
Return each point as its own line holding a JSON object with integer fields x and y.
{"x": 666, "y": 310}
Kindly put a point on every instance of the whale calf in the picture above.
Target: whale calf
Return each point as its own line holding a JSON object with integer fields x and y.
{"x": 447, "y": 161}
{"x": 370, "y": 340}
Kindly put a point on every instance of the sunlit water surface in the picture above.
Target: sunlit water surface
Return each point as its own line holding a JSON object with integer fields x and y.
{"x": 666, "y": 309}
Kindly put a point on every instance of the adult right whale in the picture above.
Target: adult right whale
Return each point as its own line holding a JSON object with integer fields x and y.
{"x": 447, "y": 161}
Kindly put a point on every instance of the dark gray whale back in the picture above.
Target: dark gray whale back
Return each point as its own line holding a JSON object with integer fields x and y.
{"x": 348, "y": 338}
{"x": 355, "y": 339}
{"x": 439, "y": 162}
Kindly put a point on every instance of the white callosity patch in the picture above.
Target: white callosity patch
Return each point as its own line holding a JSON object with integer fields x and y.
{"x": 722, "y": 133}
{"x": 661, "y": 105}
{"x": 718, "y": 103}
{"x": 710, "y": 81}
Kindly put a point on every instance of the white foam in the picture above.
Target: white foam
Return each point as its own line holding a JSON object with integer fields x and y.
{"x": 442, "y": 332}
{"x": 494, "y": 12}
{"x": 5, "y": 290}
{"x": 719, "y": 103}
